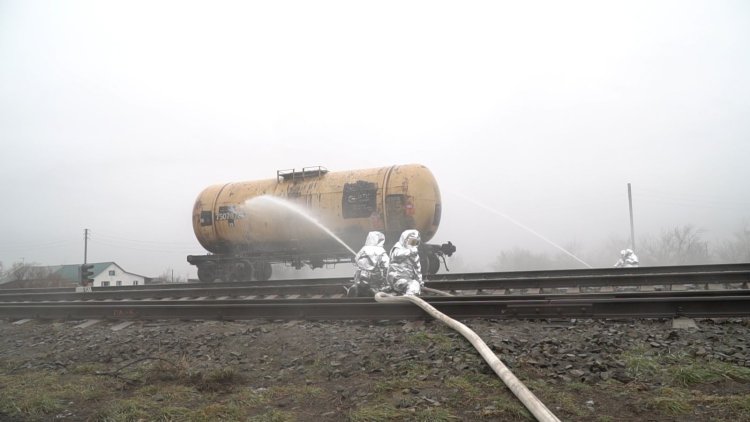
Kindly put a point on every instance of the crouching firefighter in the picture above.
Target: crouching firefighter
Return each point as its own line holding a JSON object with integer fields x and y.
{"x": 405, "y": 271}
{"x": 371, "y": 264}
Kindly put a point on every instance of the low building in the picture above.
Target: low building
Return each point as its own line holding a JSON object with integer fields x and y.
{"x": 109, "y": 274}
{"x": 106, "y": 274}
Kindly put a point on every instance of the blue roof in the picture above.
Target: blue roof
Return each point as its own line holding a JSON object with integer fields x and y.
{"x": 70, "y": 272}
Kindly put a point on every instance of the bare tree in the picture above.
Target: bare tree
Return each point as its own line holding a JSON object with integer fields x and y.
{"x": 28, "y": 271}
{"x": 675, "y": 246}
{"x": 609, "y": 252}
{"x": 562, "y": 260}
{"x": 168, "y": 276}
{"x": 738, "y": 249}
{"x": 523, "y": 260}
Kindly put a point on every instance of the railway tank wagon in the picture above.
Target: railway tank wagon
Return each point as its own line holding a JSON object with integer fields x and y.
{"x": 245, "y": 232}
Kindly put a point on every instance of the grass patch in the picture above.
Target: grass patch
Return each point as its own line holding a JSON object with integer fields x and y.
{"x": 463, "y": 387}
{"x": 273, "y": 416}
{"x": 507, "y": 407}
{"x": 740, "y": 403}
{"x": 217, "y": 380}
{"x": 680, "y": 369}
{"x": 219, "y": 412}
{"x": 433, "y": 414}
{"x": 640, "y": 364}
{"x": 376, "y": 413}
{"x": 37, "y": 406}
{"x": 440, "y": 342}
{"x": 124, "y": 410}
{"x": 567, "y": 402}
{"x": 474, "y": 389}
{"x": 33, "y": 395}
{"x": 297, "y": 393}
{"x": 408, "y": 377}
{"x": 670, "y": 401}
{"x": 249, "y": 398}
{"x": 708, "y": 372}
{"x": 387, "y": 412}
{"x": 169, "y": 392}
{"x": 88, "y": 368}
{"x": 162, "y": 370}
{"x": 570, "y": 399}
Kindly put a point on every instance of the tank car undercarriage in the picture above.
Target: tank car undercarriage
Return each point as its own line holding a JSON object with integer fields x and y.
{"x": 246, "y": 267}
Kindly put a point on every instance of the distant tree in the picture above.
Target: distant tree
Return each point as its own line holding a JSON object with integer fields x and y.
{"x": 456, "y": 263}
{"x": 563, "y": 260}
{"x": 168, "y": 276}
{"x": 28, "y": 271}
{"x": 737, "y": 249}
{"x": 675, "y": 246}
{"x": 523, "y": 260}
{"x": 607, "y": 254}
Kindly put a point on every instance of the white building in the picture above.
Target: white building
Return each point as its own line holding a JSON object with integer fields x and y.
{"x": 105, "y": 274}
{"x": 109, "y": 274}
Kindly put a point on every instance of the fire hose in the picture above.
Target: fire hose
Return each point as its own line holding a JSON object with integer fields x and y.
{"x": 532, "y": 403}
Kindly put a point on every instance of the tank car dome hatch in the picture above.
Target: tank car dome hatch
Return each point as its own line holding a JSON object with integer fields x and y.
{"x": 244, "y": 234}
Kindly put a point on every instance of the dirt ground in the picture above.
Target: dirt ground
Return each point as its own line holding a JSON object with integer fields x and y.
{"x": 583, "y": 370}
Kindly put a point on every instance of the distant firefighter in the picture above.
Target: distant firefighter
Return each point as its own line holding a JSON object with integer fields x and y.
{"x": 371, "y": 266}
{"x": 405, "y": 271}
{"x": 627, "y": 259}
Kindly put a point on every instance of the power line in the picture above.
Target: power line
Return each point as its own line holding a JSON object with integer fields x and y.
{"x": 26, "y": 245}
{"x": 143, "y": 249}
{"x": 691, "y": 198}
{"x": 157, "y": 242}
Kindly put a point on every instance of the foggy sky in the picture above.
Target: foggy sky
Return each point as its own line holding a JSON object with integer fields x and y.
{"x": 114, "y": 116}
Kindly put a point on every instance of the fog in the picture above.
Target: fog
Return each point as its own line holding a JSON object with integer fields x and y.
{"x": 113, "y": 117}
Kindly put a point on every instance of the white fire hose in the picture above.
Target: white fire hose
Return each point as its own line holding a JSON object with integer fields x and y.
{"x": 532, "y": 403}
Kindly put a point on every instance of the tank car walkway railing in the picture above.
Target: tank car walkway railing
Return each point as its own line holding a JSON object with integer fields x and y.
{"x": 306, "y": 172}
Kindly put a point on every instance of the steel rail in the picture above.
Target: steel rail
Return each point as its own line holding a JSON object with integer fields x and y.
{"x": 237, "y": 290}
{"x": 513, "y": 275}
{"x": 323, "y": 293}
{"x": 736, "y": 304}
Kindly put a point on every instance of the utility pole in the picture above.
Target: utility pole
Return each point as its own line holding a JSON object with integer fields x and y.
{"x": 85, "y": 245}
{"x": 632, "y": 229}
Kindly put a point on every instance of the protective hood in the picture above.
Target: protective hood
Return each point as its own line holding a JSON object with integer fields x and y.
{"x": 406, "y": 235}
{"x": 375, "y": 239}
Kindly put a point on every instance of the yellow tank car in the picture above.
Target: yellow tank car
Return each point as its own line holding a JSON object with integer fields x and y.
{"x": 312, "y": 217}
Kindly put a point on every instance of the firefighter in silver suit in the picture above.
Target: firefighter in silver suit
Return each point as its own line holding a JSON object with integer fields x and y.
{"x": 371, "y": 264}
{"x": 627, "y": 259}
{"x": 405, "y": 271}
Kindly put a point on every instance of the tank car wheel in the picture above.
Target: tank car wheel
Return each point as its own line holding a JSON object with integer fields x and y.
{"x": 430, "y": 263}
{"x": 240, "y": 271}
{"x": 434, "y": 264}
{"x": 262, "y": 271}
{"x": 207, "y": 272}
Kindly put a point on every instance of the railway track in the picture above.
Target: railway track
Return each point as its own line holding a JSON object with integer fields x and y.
{"x": 483, "y": 295}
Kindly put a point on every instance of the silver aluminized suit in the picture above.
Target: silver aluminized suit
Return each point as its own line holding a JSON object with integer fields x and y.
{"x": 627, "y": 259}
{"x": 405, "y": 271}
{"x": 372, "y": 263}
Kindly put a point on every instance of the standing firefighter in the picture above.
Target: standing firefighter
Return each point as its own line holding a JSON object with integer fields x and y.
{"x": 405, "y": 271}
{"x": 627, "y": 259}
{"x": 371, "y": 265}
